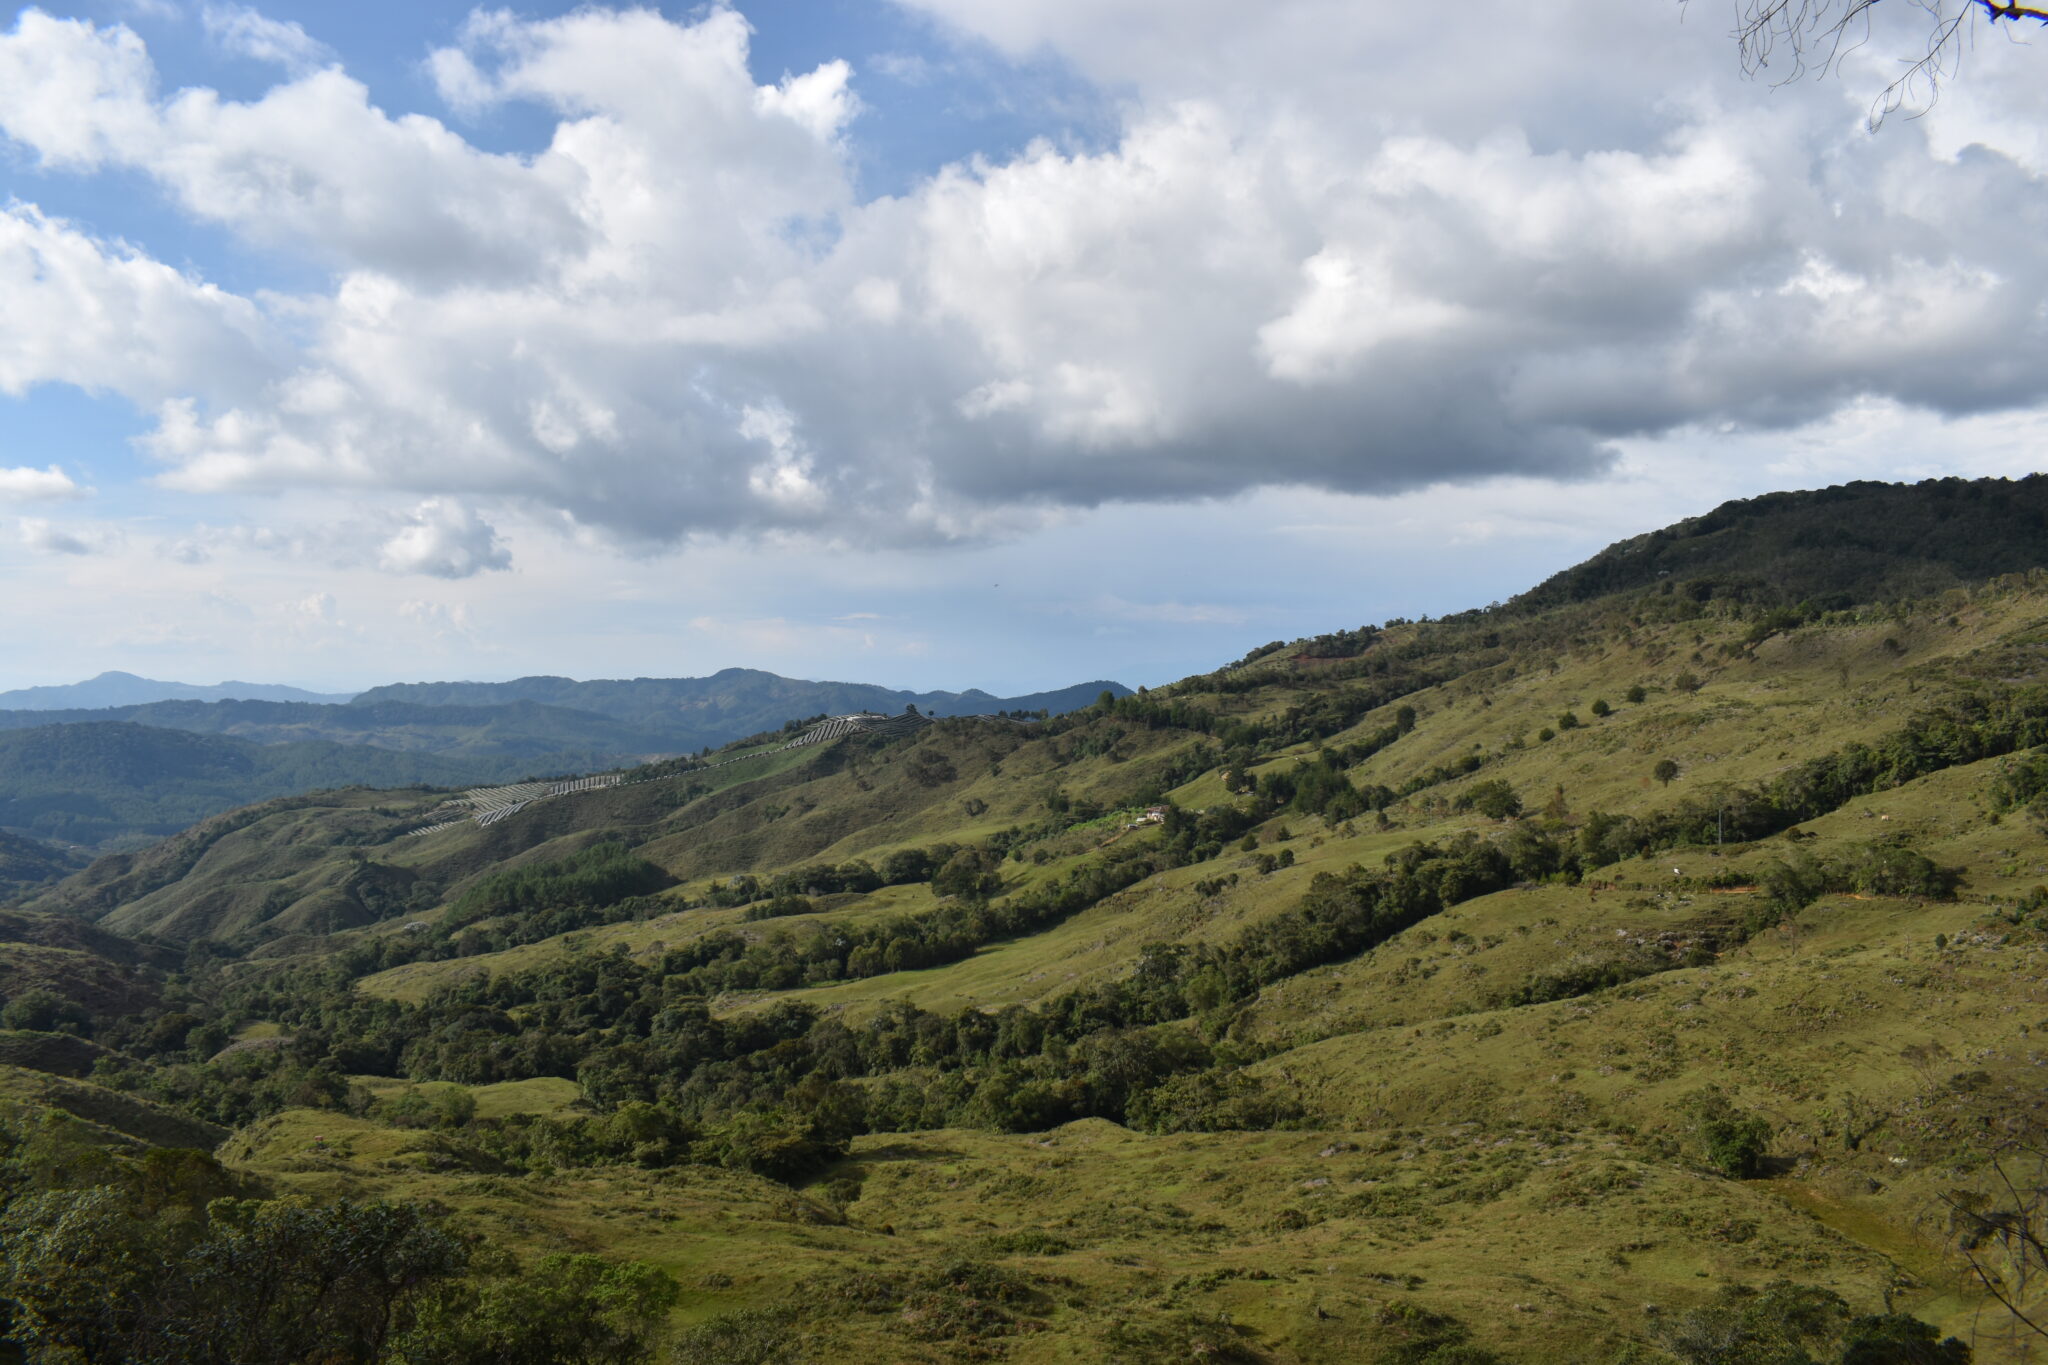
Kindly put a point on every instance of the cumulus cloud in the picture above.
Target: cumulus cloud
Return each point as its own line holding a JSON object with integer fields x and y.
{"x": 1328, "y": 247}
{"x": 446, "y": 541}
{"x": 444, "y": 621}
{"x": 24, "y": 483}
{"x": 242, "y": 31}
{"x": 104, "y": 316}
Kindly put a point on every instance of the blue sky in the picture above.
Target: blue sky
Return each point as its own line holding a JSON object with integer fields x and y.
{"x": 938, "y": 343}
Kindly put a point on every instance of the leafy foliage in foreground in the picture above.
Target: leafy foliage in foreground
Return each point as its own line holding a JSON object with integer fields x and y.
{"x": 165, "y": 1260}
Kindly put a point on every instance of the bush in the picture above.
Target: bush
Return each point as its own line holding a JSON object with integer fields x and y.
{"x": 1772, "y": 1326}
{"x": 752, "y": 1336}
{"x": 1494, "y": 799}
{"x": 1896, "y": 1339}
{"x": 1732, "y": 1140}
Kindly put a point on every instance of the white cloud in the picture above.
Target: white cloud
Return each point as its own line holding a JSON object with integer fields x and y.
{"x": 445, "y": 540}
{"x": 103, "y": 316}
{"x": 246, "y": 33}
{"x": 442, "y": 621}
{"x": 1111, "y": 607}
{"x": 1307, "y": 258}
{"x": 46, "y": 537}
{"x": 25, "y": 483}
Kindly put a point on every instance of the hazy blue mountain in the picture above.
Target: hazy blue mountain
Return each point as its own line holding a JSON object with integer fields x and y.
{"x": 125, "y": 689}
{"x": 514, "y": 730}
{"x": 728, "y": 704}
{"x": 116, "y": 785}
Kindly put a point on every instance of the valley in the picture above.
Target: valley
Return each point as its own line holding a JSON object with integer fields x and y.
{"x": 1660, "y": 958}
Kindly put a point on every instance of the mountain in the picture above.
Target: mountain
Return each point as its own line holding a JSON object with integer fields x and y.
{"x": 125, "y": 689}
{"x": 106, "y": 783}
{"x": 124, "y": 779}
{"x": 728, "y": 704}
{"x": 27, "y": 864}
{"x": 1648, "y": 975}
{"x": 508, "y": 730}
{"x": 1856, "y": 542}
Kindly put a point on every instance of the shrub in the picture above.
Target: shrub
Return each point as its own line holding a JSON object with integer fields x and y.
{"x": 1494, "y": 799}
{"x": 1896, "y": 1339}
{"x": 1732, "y": 1140}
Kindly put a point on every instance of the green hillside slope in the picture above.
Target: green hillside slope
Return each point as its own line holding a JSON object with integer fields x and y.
{"x": 1649, "y": 976}
{"x": 1856, "y": 542}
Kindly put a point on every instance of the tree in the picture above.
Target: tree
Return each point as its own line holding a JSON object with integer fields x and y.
{"x": 1805, "y": 36}
{"x": 1896, "y": 1339}
{"x": 1730, "y": 1138}
{"x": 1635, "y": 694}
{"x": 972, "y": 874}
{"x": 1601, "y": 708}
{"x": 570, "y": 1309}
{"x": 1494, "y": 799}
{"x": 1665, "y": 770}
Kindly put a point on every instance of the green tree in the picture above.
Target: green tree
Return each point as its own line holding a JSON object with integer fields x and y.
{"x": 1896, "y": 1339}
{"x": 1601, "y": 708}
{"x": 1635, "y": 694}
{"x": 971, "y": 874}
{"x": 1665, "y": 770}
{"x": 569, "y": 1309}
{"x": 1773, "y": 1326}
{"x": 1494, "y": 799}
{"x": 1732, "y": 1139}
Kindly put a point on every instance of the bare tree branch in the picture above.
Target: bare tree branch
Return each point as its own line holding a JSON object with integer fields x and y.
{"x": 1812, "y": 37}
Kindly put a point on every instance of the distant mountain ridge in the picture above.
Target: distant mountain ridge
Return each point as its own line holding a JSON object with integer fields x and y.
{"x": 115, "y": 688}
{"x": 515, "y": 729}
{"x": 113, "y": 783}
{"x": 110, "y": 776}
{"x": 730, "y": 703}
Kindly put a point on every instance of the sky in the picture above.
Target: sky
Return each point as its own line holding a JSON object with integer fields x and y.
{"x": 949, "y": 343}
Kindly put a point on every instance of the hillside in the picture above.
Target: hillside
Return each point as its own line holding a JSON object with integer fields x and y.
{"x": 1645, "y": 975}
{"x": 29, "y": 863}
{"x": 121, "y": 780}
{"x": 105, "y": 784}
{"x": 1856, "y": 542}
